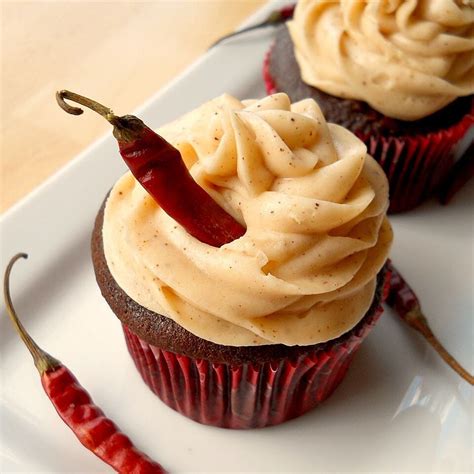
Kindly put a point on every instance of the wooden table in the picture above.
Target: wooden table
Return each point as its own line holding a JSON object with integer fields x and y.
{"x": 119, "y": 53}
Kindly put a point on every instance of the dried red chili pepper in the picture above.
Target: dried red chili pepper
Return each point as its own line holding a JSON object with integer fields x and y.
{"x": 75, "y": 406}
{"x": 159, "y": 168}
{"x": 275, "y": 18}
{"x": 405, "y": 302}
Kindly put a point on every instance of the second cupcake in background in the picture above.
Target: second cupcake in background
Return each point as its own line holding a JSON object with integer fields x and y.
{"x": 398, "y": 74}
{"x": 263, "y": 328}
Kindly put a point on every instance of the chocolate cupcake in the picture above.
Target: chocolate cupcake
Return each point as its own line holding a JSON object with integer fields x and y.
{"x": 397, "y": 74}
{"x": 263, "y": 328}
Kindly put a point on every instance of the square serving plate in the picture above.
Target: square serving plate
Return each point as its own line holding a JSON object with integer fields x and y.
{"x": 399, "y": 408}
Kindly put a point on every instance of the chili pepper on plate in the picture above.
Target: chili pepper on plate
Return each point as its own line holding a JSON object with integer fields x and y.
{"x": 74, "y": 405}
{"x": 406, "y": 304}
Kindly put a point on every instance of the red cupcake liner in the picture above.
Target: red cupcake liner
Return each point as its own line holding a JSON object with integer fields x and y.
{"x": 247, "y": 395}
{"x": 267, "y": 77}
{"x": 417, "y": 166}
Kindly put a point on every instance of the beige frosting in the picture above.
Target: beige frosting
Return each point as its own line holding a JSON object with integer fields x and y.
{"x": 314, "y": 205}
{"x": 406, "y": 58}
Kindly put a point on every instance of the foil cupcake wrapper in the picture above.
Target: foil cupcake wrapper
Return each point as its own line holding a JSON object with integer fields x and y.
{"x": 247, "y": 395}
{"x": 416, "y": 165}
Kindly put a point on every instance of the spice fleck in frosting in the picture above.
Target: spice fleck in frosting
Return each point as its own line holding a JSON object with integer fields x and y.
{"x": 314, "y": 206}
{"x": 407, "y": 59}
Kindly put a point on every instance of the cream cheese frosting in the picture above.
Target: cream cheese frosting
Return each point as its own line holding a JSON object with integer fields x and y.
{"x": 314, "y": 205}
{"x": 405, "y": 58}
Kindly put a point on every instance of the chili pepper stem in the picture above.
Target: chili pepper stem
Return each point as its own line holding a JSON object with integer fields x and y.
{"x": 126, "y": 128}
{"x": 274, "y": 18}
{"x": 106, "y": 112}
{"x": 416, "y": 319}
{"x": 43, "y": 361}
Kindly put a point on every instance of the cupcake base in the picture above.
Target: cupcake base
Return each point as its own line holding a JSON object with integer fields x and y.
{"x": 225, "y": 386}
{"x": 248, "y": 395}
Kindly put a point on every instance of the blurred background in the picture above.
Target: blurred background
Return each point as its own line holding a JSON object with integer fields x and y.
{"x": 119, "y": 53}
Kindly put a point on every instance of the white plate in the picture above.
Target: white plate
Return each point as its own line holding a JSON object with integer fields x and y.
{"x": 398, "y": 409}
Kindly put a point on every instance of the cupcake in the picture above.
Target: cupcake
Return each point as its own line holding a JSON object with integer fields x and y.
{"x": 399, "y": 75}
{"x": 263, "y": 328}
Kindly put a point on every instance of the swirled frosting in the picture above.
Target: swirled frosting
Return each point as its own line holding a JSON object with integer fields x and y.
{"x": 314, "y": 205}
{"x": 405, "y": 58}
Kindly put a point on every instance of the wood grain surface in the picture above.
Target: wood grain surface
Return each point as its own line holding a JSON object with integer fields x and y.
{"x": 119, "y": 53}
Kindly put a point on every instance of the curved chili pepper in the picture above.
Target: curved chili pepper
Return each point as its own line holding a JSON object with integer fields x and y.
{"x": 407, "y": 305}
{"x": 275, "y": 18}
{"x": 74, "y": 405}
{"x": 159, "y": 168}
